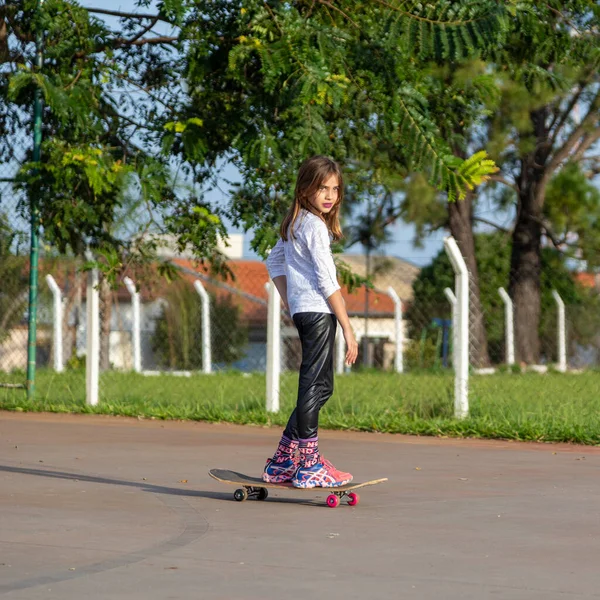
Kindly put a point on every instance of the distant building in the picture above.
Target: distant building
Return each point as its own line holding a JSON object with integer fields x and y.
{"x": 246, "y": 290}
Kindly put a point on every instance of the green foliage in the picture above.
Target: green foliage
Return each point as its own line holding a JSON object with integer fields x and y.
{"x": 110, "y": 92}
{"x": 293, "y": 79}
{"x": 493, "y": 262}
{"x": 263, "y": 84}
{"x": 78, "y": 188}
{"x": 177, "y": 338}
{"x": 76, "y": 363}
{"x": 423, "y": 352}
{"x": 572, "y": 208}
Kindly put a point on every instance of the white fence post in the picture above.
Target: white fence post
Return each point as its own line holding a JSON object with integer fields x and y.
{"x": 206, "y": 347}
{"x": 399, "y": 358}
{"x": 136, "y": 324}
{"x": 273, "y": 347}
{"x": 340, "y": 352}
{"x": 92, "y": 358}
{"x": 562, "y": 333}
{"x": 58, "y": 321}
{"x": 452, "y": 299}
{"x": 461, "y": 383}
{"x": 509, "y": 326}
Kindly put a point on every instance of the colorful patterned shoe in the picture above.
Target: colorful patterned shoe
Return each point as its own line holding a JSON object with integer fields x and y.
{"x": 323, "y": 474}
{"x": 280, "y": 472}
{"x": 347, "y": 477}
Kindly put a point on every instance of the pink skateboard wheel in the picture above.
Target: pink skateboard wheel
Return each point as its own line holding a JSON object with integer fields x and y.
{"x": 332, "y": 501}
{"x": 353, "y": 499}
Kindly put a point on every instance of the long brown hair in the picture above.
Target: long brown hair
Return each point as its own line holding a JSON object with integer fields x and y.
{"x": 311, "y": 175}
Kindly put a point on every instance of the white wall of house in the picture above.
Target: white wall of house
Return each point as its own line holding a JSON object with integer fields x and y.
{"x": 376, "y": 328}
{"x": 13, "y": 349}
{"x": 120, "y": 341}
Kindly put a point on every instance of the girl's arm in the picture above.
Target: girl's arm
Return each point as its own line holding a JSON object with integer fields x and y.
{"x": 319, "y": 244}
{"x": 336, "y": 301}
{"x": 281, "y": 285}
{"x": 276, "y": 268}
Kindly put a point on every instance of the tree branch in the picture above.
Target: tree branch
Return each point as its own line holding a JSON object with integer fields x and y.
{"x": 145, "y": 30}
{"x": 563, "y": 17}
{"x": 492, "y": 224}
{"x": 502, "y": 179}
{"x": 557, "y": 242}
{"x": 127, "y": 15}
{"x": 146, "y": 91}
{"x": 587, "y": 141}
{"x": 122, "y": 42}
{"x": 566, "y": 113}
{"x": 19, "y": 33}
{"x": 164, "y": 39}
{"x": 579, "y": 132}
{"x": 330, "y": 5}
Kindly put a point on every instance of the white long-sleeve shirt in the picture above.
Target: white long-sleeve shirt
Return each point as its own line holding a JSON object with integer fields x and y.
{"x": 307, "y": 263}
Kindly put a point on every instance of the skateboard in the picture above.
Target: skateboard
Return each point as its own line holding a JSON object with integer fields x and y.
{"x": 253, "y": 487}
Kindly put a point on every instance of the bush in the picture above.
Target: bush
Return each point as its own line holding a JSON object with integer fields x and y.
{"x": 177, "y": 338}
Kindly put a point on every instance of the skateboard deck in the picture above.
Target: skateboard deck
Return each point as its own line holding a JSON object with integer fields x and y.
{"x": 254, "y": 487}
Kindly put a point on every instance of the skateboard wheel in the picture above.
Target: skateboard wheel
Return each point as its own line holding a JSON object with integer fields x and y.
{"x": 240, "y": 495}
{"x": 263, "y": 494}
{"x": 332, "y": 501}
{"x": 353, "y": 499}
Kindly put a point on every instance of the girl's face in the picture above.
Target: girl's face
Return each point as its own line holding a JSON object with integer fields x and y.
{"x": 327, "y": 195}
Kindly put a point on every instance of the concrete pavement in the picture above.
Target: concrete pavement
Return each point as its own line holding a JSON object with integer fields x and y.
{"x": 99, "y": 507}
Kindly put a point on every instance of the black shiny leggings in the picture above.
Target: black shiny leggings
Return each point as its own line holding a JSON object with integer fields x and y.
{"x": 315, "y": 384}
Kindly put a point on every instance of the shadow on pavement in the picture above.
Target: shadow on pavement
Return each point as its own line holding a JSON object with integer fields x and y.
{"x": 148, "y": 487}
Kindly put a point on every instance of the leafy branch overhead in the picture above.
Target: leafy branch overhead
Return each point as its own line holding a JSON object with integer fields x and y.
{"x": 159, "y": 98}
{"x": 330, "y": 80}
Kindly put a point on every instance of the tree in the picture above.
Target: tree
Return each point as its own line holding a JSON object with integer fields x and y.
{"x": 177, "y": 337}
{"x": 266, "y": 83}
{"x": 546, "y": 117}
{"x": 549, "y": 116}
{"x": 109, "y": 94}
{"x": 572, "y": 213}
{"x": 292, "y": 79}
{"x": 465, "y": 94}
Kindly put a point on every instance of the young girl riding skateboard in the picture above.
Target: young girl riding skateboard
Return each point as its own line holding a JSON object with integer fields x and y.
{"x": 302, "y": 268}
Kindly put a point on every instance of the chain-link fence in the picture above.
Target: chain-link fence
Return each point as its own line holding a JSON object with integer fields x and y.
{"x": 171, "y": 322}
{"x": 14, "y": 252}
{"x": 503, "y": 334}
{"x": 201, "y": 323}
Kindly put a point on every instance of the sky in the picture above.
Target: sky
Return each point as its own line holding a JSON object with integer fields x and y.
{"x": 402, "y": 234}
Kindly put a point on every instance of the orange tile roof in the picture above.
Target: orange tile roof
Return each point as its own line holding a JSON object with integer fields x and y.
{"x": 586, "y": 279}
{"x": 250, "y": 277}
{"x": 247, "y": 288}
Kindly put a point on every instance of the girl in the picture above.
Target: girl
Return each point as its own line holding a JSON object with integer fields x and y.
{"x": 302, "y": 268}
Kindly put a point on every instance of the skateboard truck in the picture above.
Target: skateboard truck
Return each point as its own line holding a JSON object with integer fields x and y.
{"x": 334, "y": 499}
{"x": 250, "y": 492}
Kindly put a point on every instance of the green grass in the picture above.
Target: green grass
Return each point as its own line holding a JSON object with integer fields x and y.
{"x": 551, "y": 407}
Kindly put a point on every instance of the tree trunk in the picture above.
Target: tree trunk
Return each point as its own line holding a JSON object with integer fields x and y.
{"x": 526, "y": 256}
{"x": 524, "y": 285}
{"x": 105, "y": 320}
{"x": 461, "y": 227}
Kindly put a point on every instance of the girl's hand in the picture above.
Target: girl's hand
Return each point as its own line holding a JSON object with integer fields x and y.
{"x": 352, "y": 352}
